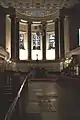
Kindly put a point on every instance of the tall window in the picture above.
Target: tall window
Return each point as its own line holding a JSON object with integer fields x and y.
{"x": 36, "y": 42}
{"x": 36, "y": 46}
{"x": 23, "y": 38}
{"x": 21, "y": 41}
{"x": 50, "y": 41}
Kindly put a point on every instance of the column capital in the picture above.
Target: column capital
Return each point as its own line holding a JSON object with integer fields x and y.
{"x": 61, "y": 17}
{"x": 43, "y": 22}
{"x": 57, "y": 20}
{"x": 29, "y": 22}
{"x": 66, "y": 17}
{"x": 12, "y": 11}
{"x": 17, "y": 19}
{"x": 13, "y": 16}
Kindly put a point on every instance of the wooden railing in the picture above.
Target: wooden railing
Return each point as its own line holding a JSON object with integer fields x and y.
{"x": 3, "y": 53}
{"x": 13, "y": 112}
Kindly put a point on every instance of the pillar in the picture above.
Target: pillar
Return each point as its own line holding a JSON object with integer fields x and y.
{"x": 73, "y": 31}
{"x": 59, "y": 35}
{"x": 62, "y": 38}
{"x": 66, "y": 35}
{"x": 56, "y": 40}
{"x": 17, "y": 39}
{"x": 2, "y": 27}
{"x": 13, "y": 34}
{"x": 29, "y": 40}
{"x": 44, "y": 40}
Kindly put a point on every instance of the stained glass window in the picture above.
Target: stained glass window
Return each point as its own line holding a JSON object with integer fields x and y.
{"x": 51, "y": 41}
{"x": 21, "y": 41}
{"x": 36, "y": 42}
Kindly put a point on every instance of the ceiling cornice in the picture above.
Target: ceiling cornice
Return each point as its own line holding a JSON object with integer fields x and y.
{"x": 38, "y": 9}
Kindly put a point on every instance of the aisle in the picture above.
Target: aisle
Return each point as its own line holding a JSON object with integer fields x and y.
{"x": 53, "y": 100}
{"x": 43, "y": 98}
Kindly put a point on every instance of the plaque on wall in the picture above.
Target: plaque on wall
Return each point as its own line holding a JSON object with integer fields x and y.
{"x": 51, "y": 41}
{"x": 36, "y": 42}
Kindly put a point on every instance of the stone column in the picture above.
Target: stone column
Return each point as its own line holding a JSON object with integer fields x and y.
{"x": 59, "y": 36}
{"x": 17, "y": 39}
{"x": 62, "y": 52}
{"x": 29, "y": 40}
{"x": 56, "y": 40}
{"x": 2, "y": 27}
{"x": 44, "y": 40}
{"x": 74, "y": 24}
{"x": 66, "y": 35}
{"x": 13, "y": 34}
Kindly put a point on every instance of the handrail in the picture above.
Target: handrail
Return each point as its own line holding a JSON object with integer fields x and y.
{"x": 3, "y": 52}
{"x": 16, "y": 99}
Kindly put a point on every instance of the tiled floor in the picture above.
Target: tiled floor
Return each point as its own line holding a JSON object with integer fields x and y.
{"x": 53, "y": 101}
{"x": 43, "y": 98}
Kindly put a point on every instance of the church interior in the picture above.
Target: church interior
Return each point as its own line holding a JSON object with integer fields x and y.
{"x": 39, "y": 59}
